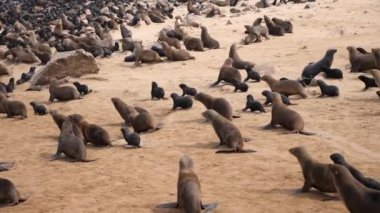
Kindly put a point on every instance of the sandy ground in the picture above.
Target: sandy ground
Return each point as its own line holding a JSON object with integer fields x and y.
{"x": 137, "y": 180}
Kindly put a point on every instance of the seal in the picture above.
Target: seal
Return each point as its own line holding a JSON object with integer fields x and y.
{"x": 253, "y": 105}
{"x": 9, "y": 194}
{"x": 238, "y": 63}
{"x": 315, "y": 174}
{"x": 4, "y": 70}
{"x": 62, "y": 93}
{"x": 207, "y": 40}
{"x": 75, "y": 118}
{"x": 328, "y": 90}
{"x": 157, "y": 92}
{"x": 302, "y": 82}
{"x": 355, "y": 196}
{"x": 186, "y": 90}
{"x": 227, "y": 132}
{"x": 132, "y": 139}
{"x": 175, "y": 54}
{"x": 145, "y": 56}
{"x": 368, "y": 82}
{"x": 3, "y": 90}
{"x": 273, "y": 28}
{"x": 94, "y": 134}
{"x": 82, "y": 88}
{"x": 366, "y": 181}
{"x": 313, "y": 69}
{"x": 121, "y": 108}
{"x": 228, "y": 73}
{"x": 70, "y": 145}
{"x": 286, "y": 25}
{"x": 184, "y": 102}
{"x": 359, "y": 61}
{"x": 269, "y": 97}
{"x": 286, "y": 87}
{"x": 332, "y": 73}
{"x": 173, "y": 42}
{"x": 220, "y": 105}
{"x": 376, "y": 76}
{"x": 192, "y": 9}
{"x": 252, "y": 74}
{"x": 38, "y": 108}
{"x": 239, "y": 86}
{"x": 12, "y": 108}
{"x": 285, "y": 117}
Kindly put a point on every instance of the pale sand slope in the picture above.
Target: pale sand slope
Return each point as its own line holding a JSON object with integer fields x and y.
{"x": 137, "y": 180}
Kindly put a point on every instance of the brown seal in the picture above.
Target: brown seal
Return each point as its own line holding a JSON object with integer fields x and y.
{"x": 220, "y": 105}
{"x": 145, "y": 56}
{"x": 207, "y": 40}
{"x": 173, "y": 42}
{"x": 141, "y": 122}
{"x": 191, "y": 43}
{"x": 285, "y": 117}
{"x": 9, "y": 194}
{"x": 221, "y": 3}
{"x": 273, "y": 28}
{"x": 121, "y": 108}
{"x": 191, "y": 8}
{"x": 175, "y": 54}
{"x": 316, "y": 174}
{"x": 4, "y": 70}
{"x": 69, "y": 144}
{"x": 227, "y": 132}
{"x": 62, "y": 93}
{"x": 12, "y": 108}
{"x": 59, "y": 119}
{"x": 286, "y": 25}
{"x": 286, "y": 87}
{"x": 238, "y": 63}
{"x": 359, "y": 61}
{"x": 355, "y": 195}
{"x": 228, "y": 73}
{"x": 94, "y": 134}
{"x": 376, "y": 76}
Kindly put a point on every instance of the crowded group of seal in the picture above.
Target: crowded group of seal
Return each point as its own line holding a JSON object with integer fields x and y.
{"x": 29, "y": 39}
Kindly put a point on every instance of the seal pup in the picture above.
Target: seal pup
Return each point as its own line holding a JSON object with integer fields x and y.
{"x": 186, "y": 90}
{"x": 253, "y": 105}
{"x": 4, "y": 70}
{"x": 192, "y": 43}
{"x": 94, "y": 134}
{"x": 227, "y": 132}
{"x": 269, "y": 98}
{"x": 13, "y": 108}
{"x": 356, "y": 197}
{"x": 132, "y": 139}
{"x": 156, "y": 91}
{"x": 207, "y": 40}
{"x": 192, "y": 9}
{"x": 286, "y": 87}
{"x": 38, "y": 108}
{"x": 316, "y": 175}
{"x": 10, "y": 86}
{"x": 359, "y": 61}
{"x": 184, "y": 102}
{"x": 332, "y": 73}
{"x": 286, "y": 25}
{"x": 175, "y": 54}
{"x": 366, "y": 181}
{"x": 70, "y": 145}
{"x": 239, "y": 86}
{"x": 328, "y": 90}
{"x": 220, "y": 105}
{"x": 82, "y": 88}
{"x": 313, "y": 69}
{"x": 237, "y": 62}
{"x": 62, "y": 93}
{"x": 228, "y": 73}
{"x": 273, "y": 28}
{"x": 285, "y": 117}
{"x": 173, "y": 42}
{"x": 368, "y": 82}
{"x": 252, "y": 74}
{"x": 9, "y": 194}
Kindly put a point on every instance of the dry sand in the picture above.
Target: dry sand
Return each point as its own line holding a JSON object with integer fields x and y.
{"x": 137, "y": 180}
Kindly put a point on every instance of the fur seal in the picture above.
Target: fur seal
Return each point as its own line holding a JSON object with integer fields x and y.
{"x": 5, "y": 166}
{"x": 184, "y": 102}
{"x": 61, "y": 93}
{"x": 239, "y": 86}
{"x": 332, "y": 73}
{"x": 141, "y": 122}
{"x": 132, "y": 139}
{"x": 13, "y": 108}
{"x": 9, "y": 193}
{"x": 286, "y": 25}
{"x": 220, "y": 105}
{"x": 329, "y": 90}
{"x": 69, "y": 144}
{"x": 186, "y": 90}
{"x": 192, "y": 9}
{"x": 145, "y": 56}
{"x": 378, "y": 93}
{"x": 273, "y": 28}
{"x": 121, "y": 108}
{"x": 207, "y": 40}
{"x": 285, "y": 117}
{"x": 286, "y": 87}
{"x": 228, "y": 73}
{"x": 173, "y": 42}
{"x": 315, "y": 174}
{"x": 368, "y": 82}
{"x": 238, "y": 63}
{"x": 269, "y": 98}
{"x": 355, "y": 196}
{"x": 227, "y": 132}
{"x": 313, "y": 69}
{"x": 192, "y": 43}
{"x": 4, "y": 70}
{"x": 252, "y": 74}
{"x": 359, "y": 61}
{"x": 82, "y": 88}
{"x": 38, "y": 109}
{"x": 157, "y": 92}
{"x": 94, "y": 134}
{"x": 366, "y": 181}
{"x": 376, "y": 76}
{"x": 175, "y": 54}
{"x": 253, "y": 105}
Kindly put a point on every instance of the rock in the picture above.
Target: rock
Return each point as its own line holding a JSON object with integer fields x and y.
{"x": 73, "y": 63}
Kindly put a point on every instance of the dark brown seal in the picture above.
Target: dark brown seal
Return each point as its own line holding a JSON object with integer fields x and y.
{"x": 94, "y": 134}
{"x": 355, "y": 195}
{"x": 62, "y": 93}
{"x": 4, "y": 70}
{"x": 228, "y": 73}
{"x": 192, "y": 43}
{"x": 316, "y": 174}
{"x": 12, "y": 108}
{"x": 207, "y": 40}
{"x": 121, "y": 108}
{"x": 173, "y": 42}
{"x": 191, "y": 8}
{"x": 273, "y": 28}
{"x": 220, "y": 105}
{"x": 286, "y": 25}
{"x": 9, "y": 194}
{"x": 286, "y": 87}
{"x": 238, "y": 63}
{"x": 175, "y": 54}
{"x": 359, "y": 61}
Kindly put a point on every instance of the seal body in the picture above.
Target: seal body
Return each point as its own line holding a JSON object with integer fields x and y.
{"x": 94, "y": 134}
{"x": 328, "y": 90}
{"x": 332, "y": 73}
{"x": 186, "y": 90}
{"x": 62, "y": 93}
{"x": 313, "y": 69}
{"x": 239, "y": 86}
{"x": 82, "y": 88}
{"x": 38, "y": 108}
{"x": 286, "y": 25}
{"x": 157, "y": 92}
{"x": 237, "y": 62}
{"x": 269, "y": 98}
{"x": 368, "y": 82}
{"x": 175, "y": 54}
{"x": 184, "y": 102}
{"x": 273, "y": 28}
{"x": 361, "y": 61}
{"x": 286, "y": 87}
{"x": 220, "y": 105}
{"x": 12, "y": 108}
{"x": 9, "y": 193}
{"x": 253, "y": 75}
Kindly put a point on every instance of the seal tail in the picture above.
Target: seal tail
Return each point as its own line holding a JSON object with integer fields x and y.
{"x": 306, "y": 133}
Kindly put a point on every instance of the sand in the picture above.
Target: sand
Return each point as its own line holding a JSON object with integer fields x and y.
{"x": 137, "y": 180}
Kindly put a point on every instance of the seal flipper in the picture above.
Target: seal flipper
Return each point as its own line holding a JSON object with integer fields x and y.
{"x": 87, "y": 161}
{"x": 235, "y": 151}
{"x": 236, "y": 116}
{"x": 306, "y": 133}
{"x": 209, "y": 207}
{"x": 171, "y": 205}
